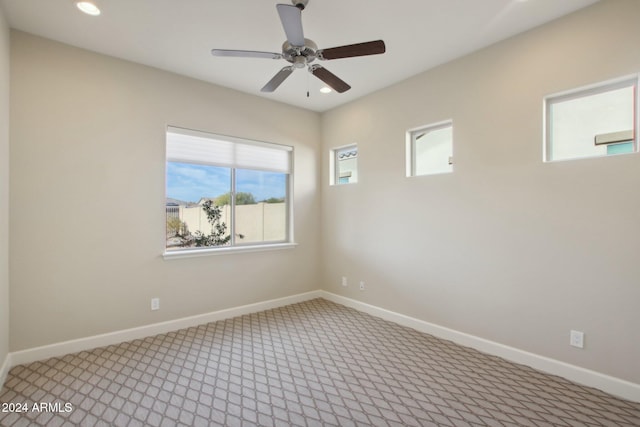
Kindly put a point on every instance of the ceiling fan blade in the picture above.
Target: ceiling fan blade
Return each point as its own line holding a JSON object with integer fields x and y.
{"x": 277, "y": 79}
{"x": 330, "y": 79}
{"x": 348, "y": 51}
{"x": 245, "y": 54}
{"x": 291, "y": 18}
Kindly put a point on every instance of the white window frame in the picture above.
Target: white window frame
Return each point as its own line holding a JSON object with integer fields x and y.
{"x": 334, "y": 170}
{"x": 173, "y": 156}
{"x": 585, "y": 91}
{"x": 411, "y": 147}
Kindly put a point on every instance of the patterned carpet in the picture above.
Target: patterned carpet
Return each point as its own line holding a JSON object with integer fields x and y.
{"x": 310, "y": 364}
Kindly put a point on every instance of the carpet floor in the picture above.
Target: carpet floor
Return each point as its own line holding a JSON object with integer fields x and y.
{"x": 316, "y": 363}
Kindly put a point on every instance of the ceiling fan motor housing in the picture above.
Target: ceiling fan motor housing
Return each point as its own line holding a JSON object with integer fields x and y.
{"x": 300, "y": 56}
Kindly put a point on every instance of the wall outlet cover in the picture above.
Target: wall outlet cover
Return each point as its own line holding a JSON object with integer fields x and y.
{"x": 576, "y": 339}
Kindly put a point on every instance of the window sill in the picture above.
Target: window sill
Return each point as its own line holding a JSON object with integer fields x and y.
{"x": 192, "y": 253}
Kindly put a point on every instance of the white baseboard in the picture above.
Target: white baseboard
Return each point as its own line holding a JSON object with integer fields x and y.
{"x": 612, "y": 385}
{"x": 4, "y": 369}
{"x": 88, "y": 343}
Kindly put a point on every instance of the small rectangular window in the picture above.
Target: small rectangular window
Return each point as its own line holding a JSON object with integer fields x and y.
{"x": 430, "y": 149}
{"x": 590, "y": 122}
{"x": 225, "y": 192}
{"x": 344, "y": 164}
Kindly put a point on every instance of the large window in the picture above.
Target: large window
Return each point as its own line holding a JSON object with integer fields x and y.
{"x": 430, "y": 149}
{"x": 594, "y": 121}
{"x": 225, "y": 192}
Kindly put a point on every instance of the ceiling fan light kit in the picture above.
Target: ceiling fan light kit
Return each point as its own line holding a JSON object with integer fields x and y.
{"x": 301, "y": 52}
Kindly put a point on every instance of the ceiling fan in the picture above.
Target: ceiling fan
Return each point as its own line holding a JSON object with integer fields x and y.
{"x": 301, "y": 52}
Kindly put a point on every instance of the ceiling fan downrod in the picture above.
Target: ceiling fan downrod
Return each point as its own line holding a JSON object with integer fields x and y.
{"x": 300, "y": 4}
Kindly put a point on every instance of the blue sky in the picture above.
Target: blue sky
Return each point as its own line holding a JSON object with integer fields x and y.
{"x": 190, "y": 182}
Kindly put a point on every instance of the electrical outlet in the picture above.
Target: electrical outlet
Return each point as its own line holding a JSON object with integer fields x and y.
{"x": 576, "y": 339}
{"x": 362, "y": 286}
{"x": 155, "y": 303}
{"x": 344, "y": 281}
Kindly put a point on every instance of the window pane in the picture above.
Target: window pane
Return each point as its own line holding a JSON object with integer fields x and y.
{"x": 346, "y": 165}
{"x": 432, "y": 150}
{"x": 626, "y": 147}
{"x": 261, "y": 206}
{"x": 195, "y": 215}
{"x": 574, "y": 122}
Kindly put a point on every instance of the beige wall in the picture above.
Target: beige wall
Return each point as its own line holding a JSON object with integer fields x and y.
{"x": 87, "y": 149}
{"x": 507, "y": 248}
{"x": 4, "y": 188}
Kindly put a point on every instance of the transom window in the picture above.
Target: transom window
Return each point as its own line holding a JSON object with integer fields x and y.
{"x": 596, "y": 121}
{"x": 225, "y": 192}
{"x": 344, "y": 163}
{"x": 430, "y": 149}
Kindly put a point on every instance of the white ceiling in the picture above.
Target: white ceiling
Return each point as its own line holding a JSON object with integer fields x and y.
{"x": 177, "y": 35}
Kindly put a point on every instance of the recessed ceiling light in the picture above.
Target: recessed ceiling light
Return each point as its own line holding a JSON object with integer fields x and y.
{"x": 325, "y": 89}
{"x": 88, "y": 7}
